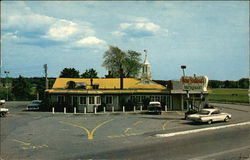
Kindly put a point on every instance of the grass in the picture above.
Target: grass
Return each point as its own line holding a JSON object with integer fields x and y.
{"x": 228, "y": 95}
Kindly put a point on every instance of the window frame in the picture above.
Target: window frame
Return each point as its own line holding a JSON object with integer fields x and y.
{"x": 90, "y": 100}
{"x": 107, "y": 101}
{"x": 84, "y": 97}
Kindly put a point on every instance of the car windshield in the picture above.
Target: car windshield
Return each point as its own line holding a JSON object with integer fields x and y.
{"x": 154, "y": 105}
{"x": 36, "y": 102}
{"x": 204, "y": 112}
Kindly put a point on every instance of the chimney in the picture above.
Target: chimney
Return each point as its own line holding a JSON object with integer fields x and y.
{"x": 121, "y": 78}
{"x": 91, "y": 81}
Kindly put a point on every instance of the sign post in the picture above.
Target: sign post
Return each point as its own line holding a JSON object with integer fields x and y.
{"x": 196, "y": 84}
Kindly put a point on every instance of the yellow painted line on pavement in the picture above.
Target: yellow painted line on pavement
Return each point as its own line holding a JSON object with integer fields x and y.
{"x": 127, "y": 129}
{"x": 164, "y": 125}
{"x": 90, "y": 134}
{"x": 125, "y": 135}
{"x": 35, "y": 147}
{"x": 29, "y": 145}
{"x": 138, "y": 122}
{"x": 24, "y": 143}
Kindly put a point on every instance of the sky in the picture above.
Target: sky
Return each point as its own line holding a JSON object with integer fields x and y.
{"x": 210, "y": 37}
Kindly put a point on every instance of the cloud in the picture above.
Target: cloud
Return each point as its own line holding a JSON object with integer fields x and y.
{"x": 118, "y": 33}
{"x": 137, "y": 28}
{"x": 37, "y": 29}
{"x": 91, "y": 42}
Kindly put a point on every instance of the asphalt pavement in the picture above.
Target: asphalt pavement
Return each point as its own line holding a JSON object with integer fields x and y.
{"x": 43, "y": 135}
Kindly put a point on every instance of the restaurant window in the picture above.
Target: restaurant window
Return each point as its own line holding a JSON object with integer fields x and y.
{"x": 60, "y": 99}
{"x": 83, "y": 100}
{"x": 109, "y": 99}
{"x": 74, "y": 100}
{"x": 98, "y": 100}
{"x": 91, "y": 100}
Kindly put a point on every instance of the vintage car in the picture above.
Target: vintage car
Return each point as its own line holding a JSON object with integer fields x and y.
{"x": 209, "y": 116}
{"x": 34, "y": 105}
{"x": 154, "y": 107}
{"x": 2, "y": 101}
{"x": 194, "y": 111}
{"x": 3, "y": 111}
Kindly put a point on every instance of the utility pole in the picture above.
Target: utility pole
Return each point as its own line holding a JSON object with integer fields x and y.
{"x": 46, "y": 76}
{"x": 0, "y": 68}
{"x": 7, "y": 87}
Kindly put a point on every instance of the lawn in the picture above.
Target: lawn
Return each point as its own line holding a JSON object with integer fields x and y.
{"x": 228, "y": 95}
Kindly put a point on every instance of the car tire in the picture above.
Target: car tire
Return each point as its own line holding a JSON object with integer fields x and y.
{"x": 210, "y": 121}
{"x": 2, "y": 114}
{"x": 226, "y": 119}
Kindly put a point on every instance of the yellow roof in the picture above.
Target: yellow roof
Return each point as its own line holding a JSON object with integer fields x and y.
{"x": 107, "y": 83}
{"x": 60, "y": 91}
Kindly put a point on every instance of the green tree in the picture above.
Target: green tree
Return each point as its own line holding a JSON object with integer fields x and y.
{"x": 69, "y": 73}
{"x": 244, "y": 83}
{"x": 21, "y": 89}
{"x": 122, "y": 64}
{"x": 132, "y": 63}
{"x": 90, "y": 73}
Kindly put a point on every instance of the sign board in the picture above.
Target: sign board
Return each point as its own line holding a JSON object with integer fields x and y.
{"x": 195, "y": 83}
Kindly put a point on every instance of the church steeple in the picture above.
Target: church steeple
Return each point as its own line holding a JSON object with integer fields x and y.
{"x": 146, "y": 73}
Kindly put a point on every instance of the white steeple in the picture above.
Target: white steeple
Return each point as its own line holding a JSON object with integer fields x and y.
{"x": 146, "y": 73}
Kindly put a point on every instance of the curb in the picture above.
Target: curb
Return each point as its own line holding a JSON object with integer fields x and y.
{"x": 200, "y": 130}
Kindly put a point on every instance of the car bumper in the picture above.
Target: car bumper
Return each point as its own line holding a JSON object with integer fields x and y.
{"x": 33, "y": 108}
{"x": 196, "y": 120}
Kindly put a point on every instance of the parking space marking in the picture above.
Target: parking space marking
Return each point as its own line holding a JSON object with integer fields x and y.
{"x": 127, "y": 129}
{"x": 138, "y": 122}
{"x": 164, "y": 125}
{"x": 35, "y": 147}
{"x": 29, "y": 145}
{"x": 125, "y": 135}
{"x": 90, "y": 134}
{"x": 24, "y": 143}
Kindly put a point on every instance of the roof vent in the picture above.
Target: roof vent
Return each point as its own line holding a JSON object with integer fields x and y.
{"x": 71, "y": 85}
{"x": 81, "y": 85}
{"x": 95, "y": 86}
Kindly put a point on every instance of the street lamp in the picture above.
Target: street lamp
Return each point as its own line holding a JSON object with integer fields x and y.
{"x": 7, "y": 91}
{"x": 183, "y": 67}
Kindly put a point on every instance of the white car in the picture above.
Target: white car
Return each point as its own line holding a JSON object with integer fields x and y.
{"x": 34, "y": 105}
{"x": 2, "y": 101}
{"x": 209, "y": 116}
{"x": 3, "y": 112}
{"x": 154, "y": 107}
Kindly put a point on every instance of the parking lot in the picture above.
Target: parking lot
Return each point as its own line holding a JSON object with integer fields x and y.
{"x": 36, "y": 135}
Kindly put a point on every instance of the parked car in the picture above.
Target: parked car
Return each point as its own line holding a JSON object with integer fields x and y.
{"x": 209, "y": 116}
{"x": 154, "y": 107}
{"x": 194, "y": 111}
{"x": 3, "y": 112}
{"x": 2, "y": 101}
{"x": 34, "y": 105}
{"x": 189, "y": 112}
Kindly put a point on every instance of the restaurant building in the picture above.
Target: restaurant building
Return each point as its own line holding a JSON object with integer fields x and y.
{"x": 129, "y": 92}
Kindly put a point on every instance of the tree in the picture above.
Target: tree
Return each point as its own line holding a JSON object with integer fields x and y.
{"x": 132, "y": 64}
{"x": 122, "y": 64}
{"x": 21, "y": 88}
{"x": 69, "y": 73}
{"x": 91, "y": 73}
{"x": 244, "y": 83}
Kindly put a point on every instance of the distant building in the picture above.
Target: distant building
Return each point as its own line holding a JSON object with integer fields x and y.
{"x": 99, "y": 92}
